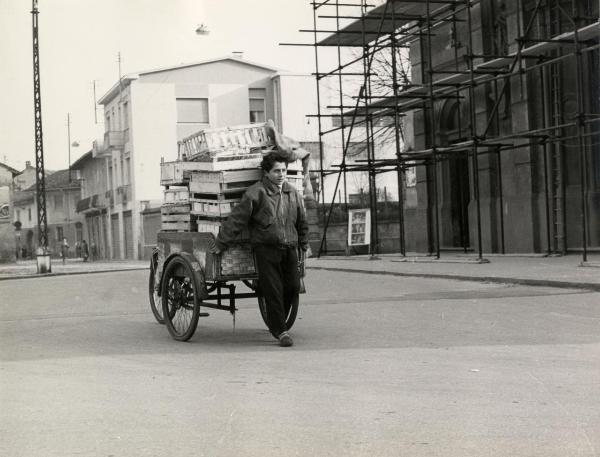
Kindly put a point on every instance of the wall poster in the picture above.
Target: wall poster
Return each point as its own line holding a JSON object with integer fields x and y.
{"x": 359, "y": 227}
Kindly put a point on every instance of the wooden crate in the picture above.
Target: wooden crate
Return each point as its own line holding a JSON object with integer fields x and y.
{"x": 208, "y": 226}
{"x": 294, "y": 167}
{"x": 238, "y": 140}
{"x": 221, "y": 182}
{"x": 212, "y": 207}
{"x": 177, "y": 218}
{"x": 225, "y": 162}
{"x": 296, "y": 181}
{"x": 213, "y": 225}
{"x": 178, "y": 173}
{"x": 176, "y": 195}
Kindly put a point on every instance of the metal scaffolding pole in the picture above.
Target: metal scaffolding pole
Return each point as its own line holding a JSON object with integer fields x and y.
{"x": 395, "y": 25}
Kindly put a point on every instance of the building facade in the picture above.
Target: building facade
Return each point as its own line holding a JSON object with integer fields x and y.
{"x": 146, "y": 114}
{"x": 63, "y": 192}
{"x": 495, "y": 107}
{"x": 7, "y": 230}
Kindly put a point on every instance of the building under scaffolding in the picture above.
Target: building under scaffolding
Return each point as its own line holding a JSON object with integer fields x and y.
{"x": 490, "y": 107}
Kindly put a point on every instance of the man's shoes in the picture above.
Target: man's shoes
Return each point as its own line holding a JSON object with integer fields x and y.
{"x": 285, "y": 340}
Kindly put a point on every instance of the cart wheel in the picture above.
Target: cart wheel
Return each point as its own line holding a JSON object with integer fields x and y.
{"x": 155, "y": 304}
{"x": 292, "y": 312}
{"x": 181, "y": 307}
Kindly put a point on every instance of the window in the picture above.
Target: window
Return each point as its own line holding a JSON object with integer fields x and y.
{"x": 122, "y": 172}
{"x": 257, "y": 105}
{"x": 128, "y": 170}
{"x": 29, "y": 214}
{"x": 58, "y": 202}
{"x": 19, "y": 215}
{"x": 125, "y": 116}
{"x": 59, "y": 233}
{"x": 192, "y": 111}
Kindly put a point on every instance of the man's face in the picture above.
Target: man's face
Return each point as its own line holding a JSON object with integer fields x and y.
{"x": 277, "y": 174}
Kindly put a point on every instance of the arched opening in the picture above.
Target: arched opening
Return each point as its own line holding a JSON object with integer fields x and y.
{"x": 455, "y": 180}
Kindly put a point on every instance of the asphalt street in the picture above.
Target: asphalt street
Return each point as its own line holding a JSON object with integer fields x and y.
{"x": 382, "y": 366}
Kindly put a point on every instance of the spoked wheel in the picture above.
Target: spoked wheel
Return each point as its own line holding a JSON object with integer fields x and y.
{"x": 180, "y": 304}
{"x": 155, "y": 303}
{"x": 291, "y": 311}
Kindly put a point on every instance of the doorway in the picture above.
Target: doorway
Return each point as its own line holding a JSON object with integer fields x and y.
{"x": 458, "y": 187}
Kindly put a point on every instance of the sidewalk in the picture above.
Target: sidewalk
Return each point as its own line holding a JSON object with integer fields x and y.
{"x": 28, "y": 268}
{"x": 564, "y": 271}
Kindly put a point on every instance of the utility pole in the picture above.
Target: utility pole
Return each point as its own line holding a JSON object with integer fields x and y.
{"x": 69, "y": 141}
{"x": 43, "y": 255}
{"x": 95, "y": 104}
{"x": 120, "y": 77}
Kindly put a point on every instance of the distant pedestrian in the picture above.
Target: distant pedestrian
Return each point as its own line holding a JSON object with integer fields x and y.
{"x": 94, "y": 250}
{"x": 64, "y": 250}
{"x": 85, "y": 253}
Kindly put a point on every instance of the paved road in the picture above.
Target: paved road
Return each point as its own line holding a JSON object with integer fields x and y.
{"x": 382, "y": 366}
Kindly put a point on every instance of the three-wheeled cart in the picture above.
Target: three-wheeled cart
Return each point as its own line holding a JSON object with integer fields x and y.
{"x": 185, "y": 276}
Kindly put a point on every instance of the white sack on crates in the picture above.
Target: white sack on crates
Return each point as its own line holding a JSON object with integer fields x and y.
{"x": 292, "y": 149}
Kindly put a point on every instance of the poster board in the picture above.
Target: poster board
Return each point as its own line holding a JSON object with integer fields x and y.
{"x": 359, "y": 227}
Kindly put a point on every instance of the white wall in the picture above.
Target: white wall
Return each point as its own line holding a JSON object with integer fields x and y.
{"x": 153, "y": 136}
{"x": 229, "y": 105}
{"x": 297, "y": 98}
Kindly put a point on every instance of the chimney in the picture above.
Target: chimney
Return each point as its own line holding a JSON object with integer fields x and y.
{"x": 27, "y": 164}
{"x": 238, "y": 54}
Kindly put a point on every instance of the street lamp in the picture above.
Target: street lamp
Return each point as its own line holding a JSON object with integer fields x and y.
{"x": 202, "y": 29}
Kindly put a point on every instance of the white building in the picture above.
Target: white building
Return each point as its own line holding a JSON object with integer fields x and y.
{"x": 145, "y": 114}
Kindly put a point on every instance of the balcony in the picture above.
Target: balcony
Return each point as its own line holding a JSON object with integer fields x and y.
{"x": 90, "y": 205}
{"x": 125, "y": 192}
{"x": 113, "y": 140}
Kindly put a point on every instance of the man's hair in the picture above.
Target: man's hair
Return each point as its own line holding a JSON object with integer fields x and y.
{"x": 268, "y": 161}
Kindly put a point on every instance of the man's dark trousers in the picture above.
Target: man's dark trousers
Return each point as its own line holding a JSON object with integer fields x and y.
{"x": 279, "y": 282}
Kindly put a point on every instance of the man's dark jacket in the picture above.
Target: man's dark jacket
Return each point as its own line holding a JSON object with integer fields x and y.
{"x": 261, "y": 210}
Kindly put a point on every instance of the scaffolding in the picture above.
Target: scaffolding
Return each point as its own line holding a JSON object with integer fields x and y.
{"x": 474, "y": 63}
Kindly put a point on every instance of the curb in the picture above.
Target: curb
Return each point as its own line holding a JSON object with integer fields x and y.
{"x": 68, "y": 273}
{"x": 494, "y": 279}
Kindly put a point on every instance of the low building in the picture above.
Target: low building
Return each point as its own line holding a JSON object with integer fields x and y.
{"x": 7, "y": 232}
{"x": 63, "y": 192}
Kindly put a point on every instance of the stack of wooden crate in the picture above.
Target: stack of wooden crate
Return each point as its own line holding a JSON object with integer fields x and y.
{"x": 213, "y": 170}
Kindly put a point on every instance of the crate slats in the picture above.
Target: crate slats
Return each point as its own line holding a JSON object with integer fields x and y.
{"x": 176, "y": 195}
{"x": 221, "y": 182}
{"x": 176, "y": 208}
{"x": 176, "y": 226}
{"x": 240, "y": 140}
{"x": 209, "y": 207}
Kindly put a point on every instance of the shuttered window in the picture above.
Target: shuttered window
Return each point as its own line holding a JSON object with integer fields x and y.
{"x": 192, "y": 111}
{"x": 257, "y": 105}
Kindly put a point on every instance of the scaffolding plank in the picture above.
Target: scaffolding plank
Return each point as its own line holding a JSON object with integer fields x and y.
{"x": 380, "y": 21}
{"x": 566, "y": 39}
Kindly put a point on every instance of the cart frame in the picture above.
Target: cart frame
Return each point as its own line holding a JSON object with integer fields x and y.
{"x": 185, "y": 276}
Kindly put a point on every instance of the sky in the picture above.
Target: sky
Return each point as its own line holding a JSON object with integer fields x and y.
{"x": 81, "y": 39}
